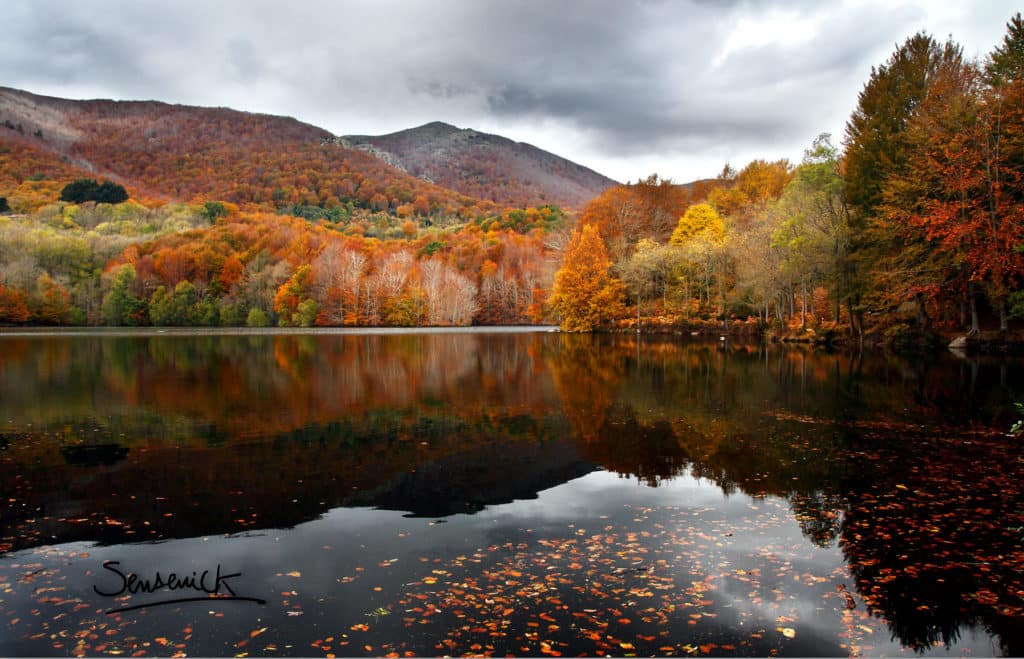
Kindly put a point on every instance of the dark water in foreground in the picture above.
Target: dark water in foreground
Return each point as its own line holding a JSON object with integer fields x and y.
{"x": 505, "y": 494}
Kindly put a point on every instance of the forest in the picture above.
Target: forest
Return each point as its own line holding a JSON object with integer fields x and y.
{"x": 910, "y": 227}
{"x": 915, "y": 225}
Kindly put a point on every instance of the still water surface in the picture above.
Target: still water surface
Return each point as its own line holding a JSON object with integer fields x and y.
{"x": 504, "y": 493}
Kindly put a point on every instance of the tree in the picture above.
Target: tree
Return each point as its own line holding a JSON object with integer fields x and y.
{"x": 257, "y": 318}
{"x": 960, "y": 194}
{"x": 12, "y": 306}
{"x": 875, "y": 134}
{"x": 700, "y": 236}
{"x": 813, "y": 235}
{"x": 111, "y": 193}
{"x": 649, "y": 271}
{"x": 51, "y": 301}
{"x": 1006, "y": 63}
{"x": 585, "y": 294}
{"x": 292, "y": 300}
{"x": 87, "y": 189}
{"x": 119, "y": 306}
{"x": 180, "y": 307}
{"x": 877, "y": 148}
{"x": 450, "y": 297}
{"x": 212, "y": 210}
{"x": 700, "y": 222}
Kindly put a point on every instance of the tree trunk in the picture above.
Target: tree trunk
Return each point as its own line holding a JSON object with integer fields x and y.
{"x": 854, "y": 324}
{"x": 803, "y": 306}
{"x": 974, "y": 309}
{"x": 686, "y": 300}
{"x": 1003, "y": 323}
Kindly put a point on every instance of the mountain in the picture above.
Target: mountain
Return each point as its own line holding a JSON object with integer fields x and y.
{"x": 159, "y": 150}
{"x": 182, "y": 152}
{"x": 485, "y": 166}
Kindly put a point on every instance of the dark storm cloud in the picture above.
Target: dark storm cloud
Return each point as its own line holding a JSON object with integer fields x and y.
{"x": 606, "y": 80}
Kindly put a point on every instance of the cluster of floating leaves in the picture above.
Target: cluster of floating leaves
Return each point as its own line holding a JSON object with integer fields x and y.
{"x": 672, "y": 582}
{"x": 656, "y": 581}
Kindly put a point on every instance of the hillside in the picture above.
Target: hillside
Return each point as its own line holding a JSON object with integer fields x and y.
{"x": 485, "y": 166}
{"x": 186, "y": 153}
{"x": 267, "y": 162}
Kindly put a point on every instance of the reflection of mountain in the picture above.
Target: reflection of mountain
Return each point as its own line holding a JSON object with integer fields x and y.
{"x": 93, "y": 455}
{"x": 428, "y": 466}
{"x": 483, "y": 476}
{"x": 894, "y": 461}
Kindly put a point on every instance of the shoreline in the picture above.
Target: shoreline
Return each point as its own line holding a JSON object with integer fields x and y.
{"x": 44, "y": 332}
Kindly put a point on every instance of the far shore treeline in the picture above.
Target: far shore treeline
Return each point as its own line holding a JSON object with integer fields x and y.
{"x": 910, "y": 225}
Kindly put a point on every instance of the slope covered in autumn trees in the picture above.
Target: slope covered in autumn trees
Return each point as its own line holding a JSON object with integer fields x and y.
{"x": 486, "y": 166}
{"x": 239, "y": 218}
{"x": 186, "y": 153}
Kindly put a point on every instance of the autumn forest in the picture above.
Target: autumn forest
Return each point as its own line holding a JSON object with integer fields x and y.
{"x": 907, "y": 228}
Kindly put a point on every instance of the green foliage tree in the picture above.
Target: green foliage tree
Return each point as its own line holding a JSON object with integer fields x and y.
{"x": 257, "y": 318}
{"x": 119, "y": 306}
{"x": 87, "y": 189}
{"x": 213, "y": 210}
{"x": 111, "y": 193}
{"x": 813, "y": 233}
{"x": 877, "y": 147}
{"x": 876, "y": 144}
{"x": 1006, "y": 63}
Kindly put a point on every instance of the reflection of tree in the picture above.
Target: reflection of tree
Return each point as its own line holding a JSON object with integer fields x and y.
{"x": 587, "y": 372}
{"x": 650, "y": 452}
{"x": 939, "y": 550}
{"x": 926, "y": 522}
{"x": 818, "y": 515}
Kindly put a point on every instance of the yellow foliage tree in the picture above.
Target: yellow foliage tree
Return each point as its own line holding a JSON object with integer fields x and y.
{"x": 700, "y": 223}
{"x": 585, "y": 294}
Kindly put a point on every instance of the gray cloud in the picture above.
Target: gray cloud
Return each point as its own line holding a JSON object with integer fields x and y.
{"x": 615, "y": 85}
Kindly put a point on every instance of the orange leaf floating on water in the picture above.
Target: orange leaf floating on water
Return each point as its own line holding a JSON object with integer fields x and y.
{"x": 788, "y": 632}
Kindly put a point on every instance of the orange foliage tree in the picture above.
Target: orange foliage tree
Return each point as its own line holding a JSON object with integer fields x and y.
{"x": 585, "y": 294}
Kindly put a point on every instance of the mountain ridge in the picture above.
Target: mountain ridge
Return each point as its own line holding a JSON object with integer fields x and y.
{"x": 462, "y": 158}
{"x": 183, "y": 152}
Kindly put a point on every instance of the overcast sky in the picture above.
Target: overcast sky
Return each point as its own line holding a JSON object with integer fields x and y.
{"x": 676, "y": 87}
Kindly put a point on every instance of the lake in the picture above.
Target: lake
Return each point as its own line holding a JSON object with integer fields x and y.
{"x": 525, "y": 493}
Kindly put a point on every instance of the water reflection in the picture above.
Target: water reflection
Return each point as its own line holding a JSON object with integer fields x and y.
{"x": 895, "y": 466}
